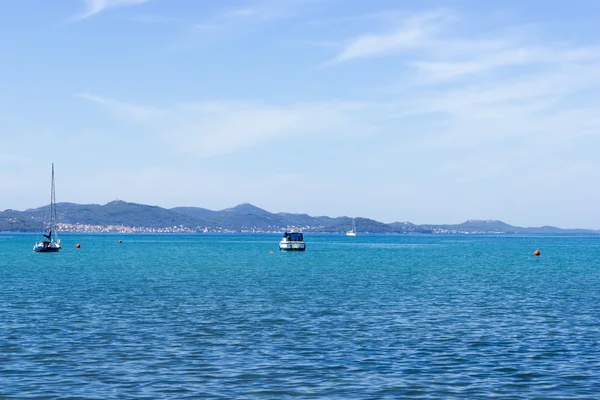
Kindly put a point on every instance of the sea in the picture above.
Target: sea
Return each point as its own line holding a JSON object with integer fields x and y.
{"x": 368, "y": 317}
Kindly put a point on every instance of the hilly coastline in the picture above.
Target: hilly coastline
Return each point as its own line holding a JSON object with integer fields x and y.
{"x": 121, "y": 216}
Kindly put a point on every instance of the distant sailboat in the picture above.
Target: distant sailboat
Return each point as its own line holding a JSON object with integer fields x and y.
{"x": 50, "y": 242}
{"x": 353, "y": 231}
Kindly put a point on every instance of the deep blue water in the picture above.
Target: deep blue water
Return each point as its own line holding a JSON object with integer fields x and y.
{"x": 194, "y": 316}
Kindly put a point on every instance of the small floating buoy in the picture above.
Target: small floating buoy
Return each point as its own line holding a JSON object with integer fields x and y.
{"x": 77, "y": 246}
{"x": 536, "y": 253}
{"x": 270, "y": 251}
{"x": 120, "y": 241}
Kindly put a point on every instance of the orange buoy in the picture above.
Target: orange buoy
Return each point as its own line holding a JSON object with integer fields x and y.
{"x": 120, "y": 241}
{"x": 536, "y": 253}
{"x": 77, "y": 246}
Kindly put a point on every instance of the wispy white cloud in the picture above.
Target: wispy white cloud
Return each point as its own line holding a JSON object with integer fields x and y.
{"x": 141, "y": 114}
{"x": 217, "y": 128}
{"x": 539, "y": 114}
{"x": 225, "y": 23}
{"x": 252, "y": 12}
{"x": 96, "y": 6}
{"x": 549, "y": 86}
{"x": 507, "y": 131}
{"x": 209, "y": 129}
{"x": 431, "y": 43}
{"x": 544, "y": 58}
{"x": 442, "y": 71}
{"x": 231, "y": 20}
{"x": 414, "y": 32}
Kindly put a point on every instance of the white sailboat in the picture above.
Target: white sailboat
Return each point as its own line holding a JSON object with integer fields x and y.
{"x": 353, "y": 231}
{"x": 50, "y": 242}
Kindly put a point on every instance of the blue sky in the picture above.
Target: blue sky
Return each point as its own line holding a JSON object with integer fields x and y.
{"x": 422, "y": 111}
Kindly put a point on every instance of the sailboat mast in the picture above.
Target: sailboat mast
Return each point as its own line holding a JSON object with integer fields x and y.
{"x": 52, "y": 201}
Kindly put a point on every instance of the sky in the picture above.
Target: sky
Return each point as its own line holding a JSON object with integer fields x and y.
{"x": 423, "y": 111}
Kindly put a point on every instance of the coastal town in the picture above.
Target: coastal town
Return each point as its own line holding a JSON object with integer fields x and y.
{"x": 89, "y": 228}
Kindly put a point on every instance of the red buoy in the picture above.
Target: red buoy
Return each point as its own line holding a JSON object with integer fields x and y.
{"x": 77, "y": 245}
{"x": 120, "y": 241}
{"x": 536, "y": 253}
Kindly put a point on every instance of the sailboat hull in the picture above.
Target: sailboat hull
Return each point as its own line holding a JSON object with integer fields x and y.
{"x": 50, "y": 248}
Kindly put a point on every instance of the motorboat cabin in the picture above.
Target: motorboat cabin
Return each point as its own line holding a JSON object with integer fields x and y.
{"x": 292, "y": 241}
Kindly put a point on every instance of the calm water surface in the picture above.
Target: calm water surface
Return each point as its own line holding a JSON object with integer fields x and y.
{"x": 197, "y": 316}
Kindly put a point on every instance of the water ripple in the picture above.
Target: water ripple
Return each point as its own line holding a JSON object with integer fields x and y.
{"x": 215, "y": 317}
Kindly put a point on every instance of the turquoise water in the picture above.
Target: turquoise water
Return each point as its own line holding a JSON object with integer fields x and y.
{"x": 200, "y": 316}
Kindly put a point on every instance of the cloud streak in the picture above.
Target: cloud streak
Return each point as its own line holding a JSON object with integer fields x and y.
{"x": 215, "y": 128}
{"x": 413, "y": 33}
{"x": 141, "y": 114}
{"x": 94, "y": 7}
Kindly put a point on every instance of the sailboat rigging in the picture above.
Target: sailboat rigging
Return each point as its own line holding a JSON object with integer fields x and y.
{"x": 50, "y": 242}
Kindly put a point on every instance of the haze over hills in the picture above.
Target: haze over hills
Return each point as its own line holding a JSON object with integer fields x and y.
{"x": 121, "y": 215}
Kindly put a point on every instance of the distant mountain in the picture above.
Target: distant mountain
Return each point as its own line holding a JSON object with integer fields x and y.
{"x": 247, "y": 209}
{"x": 495, "y": 227}
{"x": 404, "y": 227}
{"x": 486, "y": 225}
{"x": 241, "y": 218}
{"x": 120, "y": 213}
{"x": 195, "y": 212}
{"x": 474, "y": 226}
